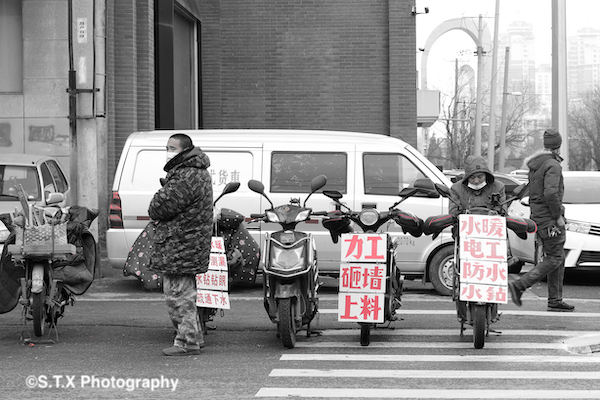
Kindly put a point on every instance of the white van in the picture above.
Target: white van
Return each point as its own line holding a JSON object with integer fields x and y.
{"x": 365, "y": 168}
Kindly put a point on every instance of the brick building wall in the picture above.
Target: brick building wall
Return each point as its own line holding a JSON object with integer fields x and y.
{"x": 311, "y": 64}
{"x": 130, "y": 73}
{"x": 337, "y": 64}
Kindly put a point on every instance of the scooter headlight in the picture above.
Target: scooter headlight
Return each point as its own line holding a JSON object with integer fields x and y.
{"x": 288, "y": 259}
{"x": 272, "y": 217}
{"x": 302, "y": 216}
{"x": 369, "y": 216}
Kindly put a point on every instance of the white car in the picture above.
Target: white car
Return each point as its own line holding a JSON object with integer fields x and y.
{"x": 37, "y": 175}
{"x": 582, "y": 211}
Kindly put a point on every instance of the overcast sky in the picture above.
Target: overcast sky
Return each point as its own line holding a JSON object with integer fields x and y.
{"x": 456, "y": 44}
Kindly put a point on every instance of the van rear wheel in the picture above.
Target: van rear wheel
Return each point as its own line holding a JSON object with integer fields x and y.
{"x": 441, "y": 271}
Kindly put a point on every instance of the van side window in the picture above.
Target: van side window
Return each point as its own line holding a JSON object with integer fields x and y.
{"x": 291, "y": 172}
{"x": 59, "y": 178}
{"x": 387, "y": 174}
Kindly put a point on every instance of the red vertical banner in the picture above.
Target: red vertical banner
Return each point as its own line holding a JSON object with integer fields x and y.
{"x": 363, "y": 277}
{"x": 483, "y": 249}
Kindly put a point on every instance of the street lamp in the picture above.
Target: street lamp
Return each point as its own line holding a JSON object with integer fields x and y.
{"x": 501, "y": 154}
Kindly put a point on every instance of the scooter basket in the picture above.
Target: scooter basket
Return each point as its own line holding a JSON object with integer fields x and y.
{"x": 409, "y": 222}
{"x": 39, "y": 235}
{"x": 437, "y": 223}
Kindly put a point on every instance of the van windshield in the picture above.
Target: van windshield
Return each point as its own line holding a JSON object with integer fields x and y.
{"x": 27, "y": 177}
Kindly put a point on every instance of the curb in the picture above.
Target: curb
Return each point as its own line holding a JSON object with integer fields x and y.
{"x": 584, "y": 345}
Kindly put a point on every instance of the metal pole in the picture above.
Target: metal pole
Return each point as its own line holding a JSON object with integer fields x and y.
{"x": 477, "y": 145}
{"x": 559, "y": 76}
{"x": 456, "y": 97}
{"x": 72, "y": 90}
{"x": 492, "y": 130}
{"x": 501, "y": 153}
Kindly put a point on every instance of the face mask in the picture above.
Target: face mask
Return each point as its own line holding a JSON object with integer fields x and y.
{"x": 477, "y": 187}
{"x": 171, "y": 154}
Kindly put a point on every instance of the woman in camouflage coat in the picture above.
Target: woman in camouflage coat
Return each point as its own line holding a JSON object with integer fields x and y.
{"x": 183, "y": 212}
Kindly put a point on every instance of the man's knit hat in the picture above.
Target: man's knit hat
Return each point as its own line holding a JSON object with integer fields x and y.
{"x": 552, "y": 139}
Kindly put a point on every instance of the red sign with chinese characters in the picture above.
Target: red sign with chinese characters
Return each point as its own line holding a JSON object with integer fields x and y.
{"x": 483, "y": 257}
{"x": 364, "y": 247}
{"x": 212, "y": 286}
{"x": 361, "y": 307}
{"x": 363, "y": 277}
{"x": 213, "y": 280}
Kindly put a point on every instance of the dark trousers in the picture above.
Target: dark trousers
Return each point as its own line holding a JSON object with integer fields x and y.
{"x": 551, "y": 265}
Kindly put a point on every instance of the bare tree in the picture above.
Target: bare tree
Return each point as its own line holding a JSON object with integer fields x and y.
{"x": 584, "y": 131}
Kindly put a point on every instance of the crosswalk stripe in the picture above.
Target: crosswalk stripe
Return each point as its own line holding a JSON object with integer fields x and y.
{"x": 538, "y": 359}
{"x": 438, "y": 345}
{"x": 503, "y": 312}
{"x": 438, "y": 374}
{"x": 372, "y": 393}
{"x": 450, "y": 332}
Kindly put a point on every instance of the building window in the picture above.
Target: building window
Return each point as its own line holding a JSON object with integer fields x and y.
{"x": 11, "y": 46}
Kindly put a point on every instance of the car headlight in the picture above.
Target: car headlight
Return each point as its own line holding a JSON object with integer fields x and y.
{"x": 302, "y": 215}
{"x": 288, "y": 258}
{"x": 272, "y": 217}
{"x": 578, "y": 226}
{"x": 369, "y": 216}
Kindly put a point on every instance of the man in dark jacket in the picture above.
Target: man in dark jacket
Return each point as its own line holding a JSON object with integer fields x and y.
{"x": 545, "y": 199}
{"x": 477, "y": 188}
{"x": 183, "y": 212}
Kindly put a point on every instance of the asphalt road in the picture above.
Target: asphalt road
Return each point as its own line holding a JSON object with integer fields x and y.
{"x": 110, "y": 347}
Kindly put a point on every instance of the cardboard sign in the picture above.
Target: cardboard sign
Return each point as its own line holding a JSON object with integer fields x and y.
{"x": 483, "y": 249}
{"x": 488, "y": 272}
{"x": 482, "y": 226}
{"x": 212, "y": 299}
{"x": 361, "y": 307}
{"x": 364, "y": 247}
{"x": 217, "y": 245}
{"x": 212, "y": 286}
{"x": 484, "y": 293}
{"x": 363, "y": 277}
{"x": 213, "y": 280}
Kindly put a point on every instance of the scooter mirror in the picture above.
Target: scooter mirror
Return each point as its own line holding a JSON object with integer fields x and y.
{"x": 229, "y": 188}
{"x": 332, "y": 194}
{"x": 442, "y": 190}
{"x": 54, "y": 198}
{"x": 256, "y": 186}
{"x": 408, "y": 192}
{"x": 317, "y": 183}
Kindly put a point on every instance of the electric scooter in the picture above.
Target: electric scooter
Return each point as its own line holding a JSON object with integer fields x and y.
{"x": 482, "y": 311}
{"x": 58, "y": 255}
{"x": 370, "y": 220}
{"x": 290, "y": 270}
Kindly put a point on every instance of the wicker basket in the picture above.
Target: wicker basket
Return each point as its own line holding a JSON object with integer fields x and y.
{"x": 41, "y": 234}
